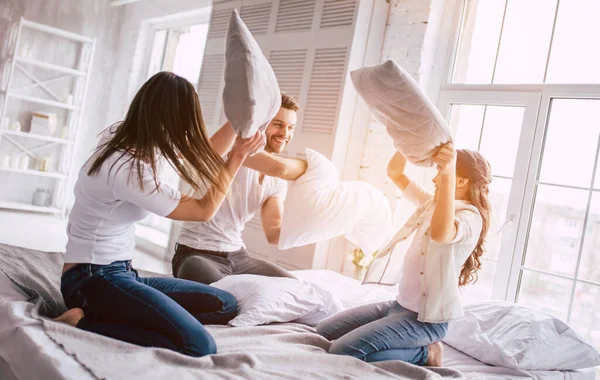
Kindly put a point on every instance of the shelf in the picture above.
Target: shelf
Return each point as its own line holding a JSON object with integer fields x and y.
{"x": 42, "y": 101}
{"x": 29, "y": 207}
{"x": 35, "y": 173}
{"x": 55, "y": 31}
{"x": 50, "y": 66}
{"x": 36, "y": 137}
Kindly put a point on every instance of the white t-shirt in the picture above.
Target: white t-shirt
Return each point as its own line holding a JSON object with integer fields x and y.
{"x": 101, "y": 226}
{"x": 224, "y": 232}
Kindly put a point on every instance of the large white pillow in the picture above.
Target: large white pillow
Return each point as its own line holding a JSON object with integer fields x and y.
{"x": 251, "y": 96}
{"x": 397, "y": 101}
{"x": 507, "y": 335}
{"x": 263, "y": 300}
{"x": 319, "y": 207}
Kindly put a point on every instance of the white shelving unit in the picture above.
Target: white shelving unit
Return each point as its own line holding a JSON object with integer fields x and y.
{"x": 49, "y": 72}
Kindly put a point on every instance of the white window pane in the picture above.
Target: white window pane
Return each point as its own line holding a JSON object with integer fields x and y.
{"x": 158, "y": 52}
{"x": 575, "y": 54}
{"x": 482, "y": 289}
{"x": 466, "y": 121}
{"x": 571, "y": 141}
{"x": 585, "y": 315}
{"x": 500, "y": 138}
{"x": 545, "y": 293}
{"x": 525, "y": 41}
{"x": 556, "y": 229}
{"x": 499, "y": 193}
{"x": 480, "y": 35}
{"x": 589, "y": 268}
{"x": 189, "y": 53}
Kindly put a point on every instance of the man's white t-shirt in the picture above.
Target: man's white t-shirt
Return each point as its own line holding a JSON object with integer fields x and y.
{"x": 101, "y": 226}
{"x": 224, "y": 232}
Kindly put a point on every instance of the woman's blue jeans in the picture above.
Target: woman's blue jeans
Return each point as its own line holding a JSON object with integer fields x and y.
{"x": 151, "y": 312}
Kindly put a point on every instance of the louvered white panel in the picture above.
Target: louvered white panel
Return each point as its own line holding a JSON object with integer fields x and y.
{"x": 257, "y": 255}
{"x": 295, "y": 15}
{"x": 338, "y": 13}
{"x": 219, "y": 21}
{"x": 288, "y": 66}
{"x": 325, "y": 89}
{"x": 256, "y": 17}
{"x": 209, "y": 87}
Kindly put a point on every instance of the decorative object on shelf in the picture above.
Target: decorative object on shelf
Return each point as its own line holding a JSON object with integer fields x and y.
{"x": 24, "y": 162}
{"x": 14, "y": 161}
{"x": 41, "y": 198}
{"x": 51, "y": 89}
{"x": 44, "y": 164}
{"x": 15, "y": 126}
{"x": 361, "y": 263}
{"x": 43, "y": 123}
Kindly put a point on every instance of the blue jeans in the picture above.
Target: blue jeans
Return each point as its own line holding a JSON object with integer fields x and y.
{"x": 381, "y": 331}
{"x": 151, "y": 312}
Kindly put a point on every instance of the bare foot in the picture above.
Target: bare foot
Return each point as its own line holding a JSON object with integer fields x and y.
{"x": 436, "y": 353}
{"x": 71, "y": 317}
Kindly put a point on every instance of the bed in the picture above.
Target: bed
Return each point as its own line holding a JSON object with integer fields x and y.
{"x": 283, "y": 350}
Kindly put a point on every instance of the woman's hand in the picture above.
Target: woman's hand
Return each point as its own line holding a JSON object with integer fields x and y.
{"x": 446, "y": 159}
{"x": 244, "y": 147}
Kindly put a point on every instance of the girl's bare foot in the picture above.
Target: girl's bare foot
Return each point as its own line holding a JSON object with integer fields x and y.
{"x": 436, "y": 353}
{"x": 71, "y": 317}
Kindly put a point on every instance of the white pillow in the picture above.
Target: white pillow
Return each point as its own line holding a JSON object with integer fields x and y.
{"x": 251, "y": 96}
{"x": 319, "y": 207}
{"x": 397, "y": 101}
{"x": 263, "y": 300}
{"x": 507, "y": 335}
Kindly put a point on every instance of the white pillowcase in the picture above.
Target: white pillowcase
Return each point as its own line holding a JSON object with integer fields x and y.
{"x": 251, "y": 96}
{"x": 319, "y": 207}
{"x": 263, "y": 300}
{"x": 397, "y": 101}
{"x": 507, "y": 335}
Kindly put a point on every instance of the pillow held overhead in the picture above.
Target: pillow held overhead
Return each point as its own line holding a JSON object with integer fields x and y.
{"x": 397, "y": 101}
{"x": 251, "y": 96}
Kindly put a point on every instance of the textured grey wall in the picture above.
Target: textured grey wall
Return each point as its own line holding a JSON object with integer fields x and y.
{"x": 92, "y": 18}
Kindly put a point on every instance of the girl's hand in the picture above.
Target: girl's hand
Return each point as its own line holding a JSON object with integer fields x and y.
{"x": 446, "y": 159}
{"x": 244, "y": 147}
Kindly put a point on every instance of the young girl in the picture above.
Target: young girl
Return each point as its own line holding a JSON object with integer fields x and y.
{"x": 119, "y": 186}
{"x": 449, "y": 232}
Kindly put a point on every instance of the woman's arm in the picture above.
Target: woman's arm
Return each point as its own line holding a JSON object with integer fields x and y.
{"x": 205, "y": 208}
{"x": 443, "y": 228}
{"x": 289, "y": 169}
{"x": 395, "y": 170}
{"x": 223, "y": 139}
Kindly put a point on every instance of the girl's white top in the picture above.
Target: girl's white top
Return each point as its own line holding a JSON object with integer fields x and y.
{"x": 426, "y": 270}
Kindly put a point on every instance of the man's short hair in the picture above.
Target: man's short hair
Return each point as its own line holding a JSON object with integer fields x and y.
{"x": 289, "y": 103}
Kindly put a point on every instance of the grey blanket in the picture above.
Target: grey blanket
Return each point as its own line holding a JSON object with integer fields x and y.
{"x": 277, "y": 351}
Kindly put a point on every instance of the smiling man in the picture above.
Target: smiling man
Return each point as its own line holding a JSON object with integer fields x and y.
{"x": 209, "y": 251}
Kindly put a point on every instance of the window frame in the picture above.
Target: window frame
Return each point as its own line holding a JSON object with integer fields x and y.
{"x": 444, "y": 93}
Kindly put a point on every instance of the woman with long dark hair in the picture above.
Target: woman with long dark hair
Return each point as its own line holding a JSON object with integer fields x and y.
{"x": 120, "y": 185}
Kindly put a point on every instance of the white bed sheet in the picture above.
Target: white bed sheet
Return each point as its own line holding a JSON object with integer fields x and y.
{"x": 350, "y": 292}
{"x": 456, "y": 359}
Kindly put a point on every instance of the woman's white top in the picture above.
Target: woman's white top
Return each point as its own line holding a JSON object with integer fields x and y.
{"x": 426, "y": 270}
{"x": 101, "y": 226}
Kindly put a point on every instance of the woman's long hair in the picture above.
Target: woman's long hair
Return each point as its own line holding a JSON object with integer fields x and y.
{"x": 165, "y": 120}
{"x": 473, "y": 166}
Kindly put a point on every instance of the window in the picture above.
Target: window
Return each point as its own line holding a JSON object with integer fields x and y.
{"x": 528, "y": 99}
{"x": 179, "y": 49}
